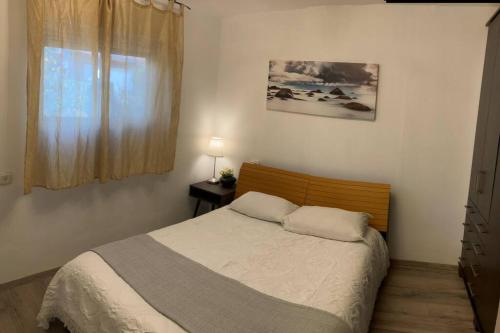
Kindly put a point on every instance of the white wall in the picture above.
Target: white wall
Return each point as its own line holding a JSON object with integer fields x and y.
{"x": 431, "y": 60}
{"x": 45, "y": 229}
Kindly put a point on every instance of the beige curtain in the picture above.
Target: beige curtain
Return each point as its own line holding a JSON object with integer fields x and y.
{"x": 104, "y": 80}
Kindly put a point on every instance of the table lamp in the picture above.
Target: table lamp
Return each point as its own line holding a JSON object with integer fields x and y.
{"x": 215, "y": 147}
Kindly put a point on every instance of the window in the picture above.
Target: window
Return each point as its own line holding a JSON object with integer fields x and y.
{"x": 72, "y": 85}
{"x": 103, "y": 90}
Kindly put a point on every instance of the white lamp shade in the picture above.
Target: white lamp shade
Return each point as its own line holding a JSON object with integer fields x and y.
{"x": 215, "y": 147}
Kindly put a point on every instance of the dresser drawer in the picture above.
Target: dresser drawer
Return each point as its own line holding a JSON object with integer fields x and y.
{"x": 471, "y": 267}
{"x": 479, "y": 265}
{"x": 473, "y": 287}
{"x": 480, "y": 225}
{"x": 471, "y": 257}
{"x": 472, "y": 242}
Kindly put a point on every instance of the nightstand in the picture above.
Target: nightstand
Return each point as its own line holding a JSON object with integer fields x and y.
{"x": 213, "y": 193}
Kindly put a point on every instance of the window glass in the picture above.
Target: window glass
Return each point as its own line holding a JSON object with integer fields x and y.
{"x": 71, "y": 86}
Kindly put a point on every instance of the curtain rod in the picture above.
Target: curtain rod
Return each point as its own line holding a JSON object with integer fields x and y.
{"x": 182, "y": 4}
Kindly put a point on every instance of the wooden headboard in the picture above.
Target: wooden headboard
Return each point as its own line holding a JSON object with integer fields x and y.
{"x": 306, "y": 190}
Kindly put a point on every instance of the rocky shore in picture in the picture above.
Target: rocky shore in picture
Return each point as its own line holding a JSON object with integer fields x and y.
{"x": 342, "y": 90}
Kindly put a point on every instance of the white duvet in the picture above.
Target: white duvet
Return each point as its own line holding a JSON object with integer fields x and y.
{"x": 338, "y": 277}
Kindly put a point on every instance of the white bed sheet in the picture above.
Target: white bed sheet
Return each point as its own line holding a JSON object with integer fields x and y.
{"x": 339, "y": 277}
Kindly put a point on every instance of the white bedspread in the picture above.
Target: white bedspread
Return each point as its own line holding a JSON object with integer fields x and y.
{"x": 338, "y": 277}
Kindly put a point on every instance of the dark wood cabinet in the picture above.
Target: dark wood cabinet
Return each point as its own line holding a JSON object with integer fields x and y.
{"x": 479, "y": 263}
{"x": 483, "y": 167}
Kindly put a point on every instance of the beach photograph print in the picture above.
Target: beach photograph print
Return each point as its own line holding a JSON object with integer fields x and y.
{"x": 329, "y": 89}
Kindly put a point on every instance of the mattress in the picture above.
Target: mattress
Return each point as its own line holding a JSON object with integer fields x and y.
{"x": 339, "y": 277}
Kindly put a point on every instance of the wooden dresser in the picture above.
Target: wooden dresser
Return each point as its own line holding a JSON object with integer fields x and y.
{"x": 479, "y": 264}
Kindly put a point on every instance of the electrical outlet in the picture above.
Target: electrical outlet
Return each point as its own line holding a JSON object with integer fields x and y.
{"x": 5, "y": 178}
{"x": 254, "y": 161}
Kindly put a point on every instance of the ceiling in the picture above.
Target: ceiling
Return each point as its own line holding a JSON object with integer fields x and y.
{"x": 236, "y": 7}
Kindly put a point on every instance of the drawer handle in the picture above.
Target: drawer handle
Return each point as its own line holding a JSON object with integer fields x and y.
{"x": 469, "y": 209}
{"x": 474, "y": 269}
{"x": 467, "y": 226}
{"x": 480, "y": 229}
{"x": 470, "y": 290}
{"x": 479, "y": 181}
{"x": 478, "y": 250}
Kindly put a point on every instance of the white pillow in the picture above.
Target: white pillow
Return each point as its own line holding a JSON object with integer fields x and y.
{"x": 331, "y": 223}
{"x": 263, "y": 206}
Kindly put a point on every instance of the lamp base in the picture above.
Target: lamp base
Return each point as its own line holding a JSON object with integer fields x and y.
{"x": 213, "y": 181}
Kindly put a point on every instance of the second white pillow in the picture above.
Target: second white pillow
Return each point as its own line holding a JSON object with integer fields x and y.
{"x": 325, "y": 222}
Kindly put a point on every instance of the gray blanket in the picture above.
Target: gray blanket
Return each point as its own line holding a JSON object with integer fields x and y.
{"x": 203, "y": 301}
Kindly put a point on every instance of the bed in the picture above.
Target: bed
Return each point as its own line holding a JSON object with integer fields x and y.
{"x": 341, "y": 278}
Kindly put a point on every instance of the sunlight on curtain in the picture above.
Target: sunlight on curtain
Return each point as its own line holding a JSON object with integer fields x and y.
{"x": 104, "y": 82}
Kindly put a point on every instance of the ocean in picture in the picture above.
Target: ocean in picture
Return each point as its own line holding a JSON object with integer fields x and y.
{"x": 329, "y": 89}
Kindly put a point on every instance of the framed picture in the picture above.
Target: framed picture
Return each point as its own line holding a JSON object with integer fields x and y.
{"x": 328, "y": 89}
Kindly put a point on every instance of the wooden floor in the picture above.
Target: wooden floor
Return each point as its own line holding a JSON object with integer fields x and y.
{"x": 414, "y": 298}
{"x": 418, "y": 297}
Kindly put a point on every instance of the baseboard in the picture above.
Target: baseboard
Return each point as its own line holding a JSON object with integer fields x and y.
{"x": 410, "y": 263}
{"x": 27, "y": 279}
